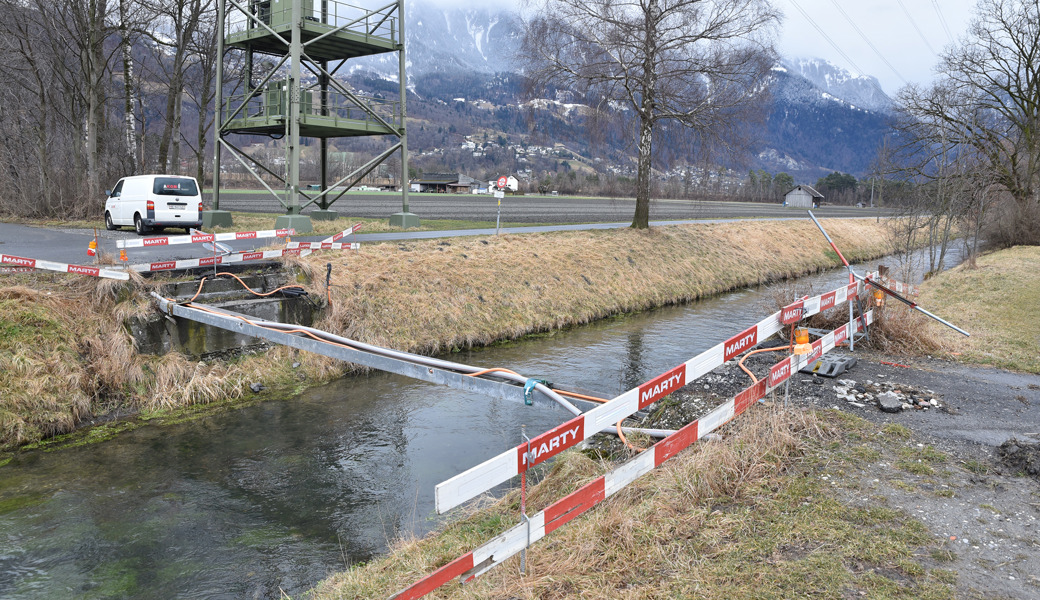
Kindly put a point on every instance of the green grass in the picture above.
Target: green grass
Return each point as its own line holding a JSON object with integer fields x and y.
{"x": 975, "y": 466}
{"x": 997, "y": 303}
{"x": 248, "y": 221}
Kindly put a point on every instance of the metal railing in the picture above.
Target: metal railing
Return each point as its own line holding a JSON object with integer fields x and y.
{"x": 338, "y": 110}
{"x": 327, "y": 15}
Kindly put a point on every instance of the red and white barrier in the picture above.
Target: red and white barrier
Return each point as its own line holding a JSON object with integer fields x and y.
{"x": 479, "y": 479}
{"x": 199, "y": 238}
{"x": 169, "y": 265}
{"x": 323, "y": 245}
{"x": 46, "y": 265}
{"x": 522, "y": 536}
{"x": 897, "y": 286}
{"x": 345, "y": 232}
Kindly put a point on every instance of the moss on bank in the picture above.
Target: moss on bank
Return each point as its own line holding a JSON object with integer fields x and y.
{"x": 66, "y": 360}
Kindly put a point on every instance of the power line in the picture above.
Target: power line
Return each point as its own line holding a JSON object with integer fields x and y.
{"x": 837, "y": 49}
{"x": 942, "y": 20}
{"x": 867, "y": 40}
{"x": 916, "y": 28}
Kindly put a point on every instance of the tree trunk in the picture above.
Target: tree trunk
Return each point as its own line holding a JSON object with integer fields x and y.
{"x": 129, "y": 116}
{"x": 641, "y": 219}
{"x": 200, "y": 140}
{"x": 175, "y": 141}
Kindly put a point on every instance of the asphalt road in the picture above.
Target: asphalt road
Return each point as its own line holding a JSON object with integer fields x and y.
{"x": 69, "y": 245}
{"x": 534, "y": 209}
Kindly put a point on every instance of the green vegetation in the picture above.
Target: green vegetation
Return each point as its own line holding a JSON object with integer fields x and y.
{"x": 997, "y": 302}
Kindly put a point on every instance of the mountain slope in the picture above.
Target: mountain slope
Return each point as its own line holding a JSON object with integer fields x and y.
{"x": 823, "y": 118}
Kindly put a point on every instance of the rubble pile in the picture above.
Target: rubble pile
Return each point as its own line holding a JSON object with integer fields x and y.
{"x": 886, "y": 395}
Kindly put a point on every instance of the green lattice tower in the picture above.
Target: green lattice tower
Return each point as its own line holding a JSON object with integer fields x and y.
{"x": 306, "y": 35}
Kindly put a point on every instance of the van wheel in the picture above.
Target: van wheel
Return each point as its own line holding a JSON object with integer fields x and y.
{"x": 109, "y": 225}
{"x": 139, "y": 225}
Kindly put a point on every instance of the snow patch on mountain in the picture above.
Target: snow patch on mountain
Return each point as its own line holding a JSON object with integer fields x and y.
{"x": 860, "y": 91}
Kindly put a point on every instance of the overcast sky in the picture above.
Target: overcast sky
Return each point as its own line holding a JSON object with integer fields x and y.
{"x": 884, "y": 23}
{"x": 887, "y": 27}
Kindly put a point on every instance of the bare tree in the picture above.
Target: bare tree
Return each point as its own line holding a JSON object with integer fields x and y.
{"x": 702, "y": 63}
{"x": 131, "y": 18}
{"x": 57, "y": 67}
{"x": 987, "y": 102}
{"x": 199, "y": 85}
{"x": 173, "y": 35}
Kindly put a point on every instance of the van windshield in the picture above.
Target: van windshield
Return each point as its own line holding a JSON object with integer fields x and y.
{"x": 174, "y": 186}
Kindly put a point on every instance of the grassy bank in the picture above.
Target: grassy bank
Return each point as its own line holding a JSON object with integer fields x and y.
{"x": 66, "y": 361}
{"x": 250, "y": 221}
{"x": 753, "y": 516}
{"x": 769, "y": 512}
{"x": 998, "y": 303}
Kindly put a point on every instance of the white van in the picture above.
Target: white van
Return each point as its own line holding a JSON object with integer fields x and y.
{"x": 154, "y": 202}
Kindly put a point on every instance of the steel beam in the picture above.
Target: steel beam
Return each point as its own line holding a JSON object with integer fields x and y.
{"x": 244, "y": 325}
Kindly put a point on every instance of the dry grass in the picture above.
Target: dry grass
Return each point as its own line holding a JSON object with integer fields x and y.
{"x": 436, "y": 296}
{"x": 747, "y": 517}
{"x": 66, "y": 358}
{"x": 245, "y": 221}
{"x": 998, "y": 303}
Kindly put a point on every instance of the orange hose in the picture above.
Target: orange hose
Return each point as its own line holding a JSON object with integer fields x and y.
{"x": 492, "y": 370}
{"x": 581, "y": 396}
{"x": 255, "y": 293}
{"x": 248, "y": 289}
{"x": 621, "y": 434}
{"x": 745, "y": 369}
{"x": 198, "y": 291}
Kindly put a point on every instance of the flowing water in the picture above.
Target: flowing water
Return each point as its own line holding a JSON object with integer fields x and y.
{"x": 276, "y": 496}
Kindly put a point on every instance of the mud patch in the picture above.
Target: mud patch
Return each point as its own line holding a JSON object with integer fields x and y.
{"x": 1021, "y": 456}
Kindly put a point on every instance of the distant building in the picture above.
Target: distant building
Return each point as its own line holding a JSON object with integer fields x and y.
{"x": 444, "y": 183}
{"x": 512, "y": 184}
{"x": 803, "y": 196}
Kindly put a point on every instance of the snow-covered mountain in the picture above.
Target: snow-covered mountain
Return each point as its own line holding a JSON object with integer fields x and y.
{"x": 823, "y": 117}
{"x": 838, "y": 84}
{"x": 440, "y": 40}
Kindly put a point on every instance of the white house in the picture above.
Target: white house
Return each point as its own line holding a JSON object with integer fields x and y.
{"x": 512, "y": 184}
{"x": 803, "y": 196}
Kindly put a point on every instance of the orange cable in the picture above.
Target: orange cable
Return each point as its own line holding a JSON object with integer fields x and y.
{"x": 198, "y": 291}
{"x": 745, "y": 369}
{"x": 250, "y": 290}
{"x": 492, "y": 370}
{"x": 581, "y": 396}
{"x": 621, "y": 434}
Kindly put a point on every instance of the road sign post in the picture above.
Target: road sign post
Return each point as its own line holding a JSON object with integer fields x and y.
{"x": 498, "y": 219}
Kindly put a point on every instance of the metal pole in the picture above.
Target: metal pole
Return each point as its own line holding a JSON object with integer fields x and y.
{"x": 523, "y": 501}
{"x": 324, "y": 81}
{"x": 218, "y": 99}
{"x": 402, "y": 78}
{"x": 913, "y": 305}
{"x": 853, "y": 276}
{"x": 293, "y": 152}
